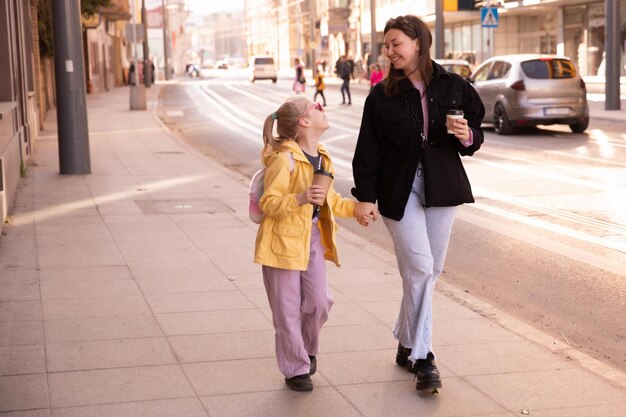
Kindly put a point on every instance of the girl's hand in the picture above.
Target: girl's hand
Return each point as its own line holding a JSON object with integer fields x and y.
{"x": 365, "y": 213}
{"x": 314, "y": 194}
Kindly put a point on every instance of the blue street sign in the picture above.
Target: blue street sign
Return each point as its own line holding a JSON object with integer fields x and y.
{"x": 489, "y": 17}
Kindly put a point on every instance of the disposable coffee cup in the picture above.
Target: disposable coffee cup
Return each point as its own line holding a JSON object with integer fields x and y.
{"x": 451, "y": 116}
{"x": 323, "y": 178}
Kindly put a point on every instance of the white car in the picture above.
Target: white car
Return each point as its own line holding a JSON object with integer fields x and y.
{"x": 262, "y": 67}
{"x": 459, "y": 66}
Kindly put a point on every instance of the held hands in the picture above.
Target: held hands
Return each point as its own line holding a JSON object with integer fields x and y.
{"x": 314, "y": 194}
{"x": 365, "y": 213}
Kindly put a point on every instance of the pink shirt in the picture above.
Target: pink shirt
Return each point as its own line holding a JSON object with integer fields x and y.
{"x": 376, "y": 77}
{"x": 420, "y": 87}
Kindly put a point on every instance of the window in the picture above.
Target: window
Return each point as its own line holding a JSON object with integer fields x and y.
{"x": 481, "y": 74}
{"x": 549, "y": 68}
{"x": 499, "y": 70}
{"x": 264, "y": 61}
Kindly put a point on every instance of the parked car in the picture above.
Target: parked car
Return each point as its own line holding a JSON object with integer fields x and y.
{"x": 530, "y": 90}
{"x": 459, "y": 66}
{"x": 262, "y": 67}
{"x": 222, "y": 64}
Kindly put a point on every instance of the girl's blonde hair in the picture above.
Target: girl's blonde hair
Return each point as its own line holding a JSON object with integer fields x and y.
{"x": 286, "y": 118}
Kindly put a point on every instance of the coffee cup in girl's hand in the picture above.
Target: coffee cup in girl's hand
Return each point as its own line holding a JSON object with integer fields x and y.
{"x": 323, "y": 179}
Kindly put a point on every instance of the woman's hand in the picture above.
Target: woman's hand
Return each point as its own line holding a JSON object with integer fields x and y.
{"x": 314, "y": 194}
{"x": 461, "y": 130}
{"x": 365, "y": 213}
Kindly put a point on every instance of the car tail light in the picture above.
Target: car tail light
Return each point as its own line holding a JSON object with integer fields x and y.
{"x": 518, "y": 86}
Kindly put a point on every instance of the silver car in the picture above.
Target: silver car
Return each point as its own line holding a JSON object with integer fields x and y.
{"x": 530, "y": 90}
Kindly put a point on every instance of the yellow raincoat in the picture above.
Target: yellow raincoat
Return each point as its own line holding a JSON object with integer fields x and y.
{"x": 284, "y": 236}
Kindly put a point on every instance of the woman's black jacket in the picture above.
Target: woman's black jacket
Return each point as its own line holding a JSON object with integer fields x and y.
{"x": 388, "y": 148}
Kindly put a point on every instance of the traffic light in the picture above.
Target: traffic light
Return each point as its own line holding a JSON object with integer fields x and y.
{"x": 456, "y": 5}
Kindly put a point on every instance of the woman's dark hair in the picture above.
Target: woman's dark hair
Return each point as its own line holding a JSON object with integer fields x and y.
{"x": 414, "y": 28}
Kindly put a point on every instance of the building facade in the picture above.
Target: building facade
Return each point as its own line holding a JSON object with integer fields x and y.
{"x": 574, "y": 28}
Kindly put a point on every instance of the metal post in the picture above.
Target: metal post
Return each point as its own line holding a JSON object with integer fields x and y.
{"x": 147, "y": 70}
{"x": 137, "y": 91}
{"x": 439, "y": 33}
{"x": 69, "y": 71}
{"x": 613, "y": 59}
{"x": 312, "y": 43}
{"x": 373, "y": 35}
{"x": 166, "y": 41}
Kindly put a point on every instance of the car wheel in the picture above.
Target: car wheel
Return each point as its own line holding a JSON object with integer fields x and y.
{"x": 502, "y": 126}
{"x": 580, "y": 127}
{"x": 253, "y": 80}
{"x": 274, "y": 80}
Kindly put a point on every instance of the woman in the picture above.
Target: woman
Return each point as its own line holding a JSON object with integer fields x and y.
{"x": 297, "y": 234}
{"x": 299, "y": 83}
{"x": 407, "y": 162}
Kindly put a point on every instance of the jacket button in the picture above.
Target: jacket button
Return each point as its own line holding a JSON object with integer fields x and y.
{"x": 432, "y": 121}
{"x": 453, "y": 101}
{"x": 432, "y": 142}
{"x": 431, "y": 100}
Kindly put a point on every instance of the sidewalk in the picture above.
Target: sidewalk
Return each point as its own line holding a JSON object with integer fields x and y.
{"x": 131, "y": 292}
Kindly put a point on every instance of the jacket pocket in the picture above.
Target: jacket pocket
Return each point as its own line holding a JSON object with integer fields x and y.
{"x": 287, "y": 239}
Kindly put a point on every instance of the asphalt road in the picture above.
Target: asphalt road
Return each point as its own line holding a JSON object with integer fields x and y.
{"x": 545, "y": 241}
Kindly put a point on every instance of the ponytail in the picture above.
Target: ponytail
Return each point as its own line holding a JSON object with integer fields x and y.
{"x": 286, "y": 118}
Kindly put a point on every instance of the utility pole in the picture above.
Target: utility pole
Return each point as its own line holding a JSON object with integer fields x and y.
{"x": 612, "y": 41}
{"x": 147, "y": 69}
{"x": 373, "y": 35}
{"x": 312, "y": 42}
{"x": 69, "y": 75}
{"x": 166, "y": 40}
{"x": 439, "y": 34}
{"x": 137, "y": 90}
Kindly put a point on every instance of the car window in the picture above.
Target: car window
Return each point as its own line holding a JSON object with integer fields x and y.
{"x": 549, "y": 68}
{"x": 498, "y": 70}
{"x": 264, "y": 61}
{"x": 481, "y": 74}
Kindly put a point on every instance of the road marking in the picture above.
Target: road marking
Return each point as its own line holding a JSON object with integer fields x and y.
{"x": 342, "y": 160}
{"x": 551, "y": 245}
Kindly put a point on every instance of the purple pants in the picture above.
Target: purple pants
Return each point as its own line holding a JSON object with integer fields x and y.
{"x": 300, "y": 302}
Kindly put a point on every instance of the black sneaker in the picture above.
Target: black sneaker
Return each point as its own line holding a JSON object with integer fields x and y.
{"x": 313, "y": 367}
{"x": 300, "y": 382}
{"x": 426, "y": 373}
{"x": 402, "y": 356}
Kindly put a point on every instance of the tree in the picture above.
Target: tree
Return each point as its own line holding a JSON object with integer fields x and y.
{"x": 44, "y": 24}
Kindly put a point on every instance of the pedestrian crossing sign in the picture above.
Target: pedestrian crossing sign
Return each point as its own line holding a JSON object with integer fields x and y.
{"x": 489, "y": 17}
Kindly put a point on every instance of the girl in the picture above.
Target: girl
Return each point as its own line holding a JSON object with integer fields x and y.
{"x": 406, "y": 160}
{"x": 319, "y": 87}
{"x": 297, "y": 234}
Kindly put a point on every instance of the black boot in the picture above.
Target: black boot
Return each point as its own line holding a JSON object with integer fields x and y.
{"x": 402, "y": 356}
{"x": 427, "y": 374}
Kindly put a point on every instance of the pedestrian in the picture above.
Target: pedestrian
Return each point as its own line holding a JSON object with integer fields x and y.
{"x": 407, "y": 161}
{"x": 297, "y": 234}
{"x": 319, "y": 87}
{"x": 132, "y": 74}
{"x": 376, "y": 75}
{"x": 344, "y": 71}
{"x": 299, "y": 82}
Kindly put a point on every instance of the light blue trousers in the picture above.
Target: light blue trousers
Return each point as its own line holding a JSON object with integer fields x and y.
{"x": 420, "y": 242}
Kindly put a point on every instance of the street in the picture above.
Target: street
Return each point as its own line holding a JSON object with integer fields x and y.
{"x": 545, "y": 241}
